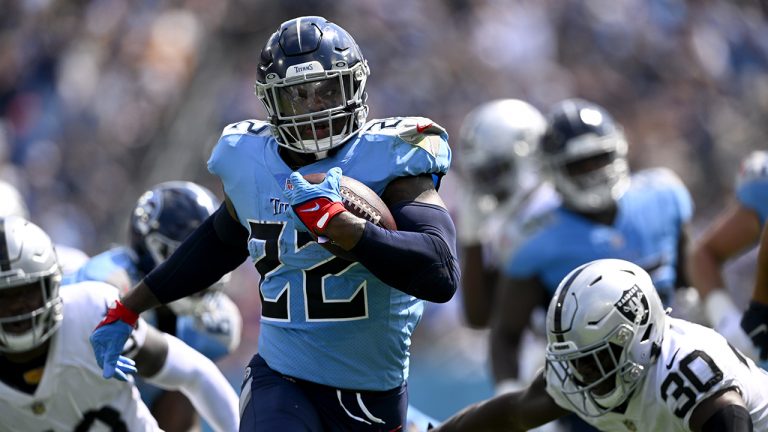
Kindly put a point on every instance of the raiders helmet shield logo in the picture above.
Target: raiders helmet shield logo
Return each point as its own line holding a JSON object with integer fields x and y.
{"x": 633, "y": 305}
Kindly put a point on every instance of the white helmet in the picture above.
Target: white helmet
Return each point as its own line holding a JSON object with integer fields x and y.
{"x": 585, "y": 153}
{"x": 494, "y": 141}
{"x": 11, "y": 202}
{"x": 605, "y": 324}
{"x": 30, "y": 306}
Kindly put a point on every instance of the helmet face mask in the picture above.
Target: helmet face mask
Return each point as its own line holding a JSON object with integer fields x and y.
{"x": 312, "y": 80}
{"x": 604, "y": 327}
{"x": 30, "y": 305}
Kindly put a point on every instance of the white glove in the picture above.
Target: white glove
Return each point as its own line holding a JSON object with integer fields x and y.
{"x": 730, "y": 328}
{"x": 725, "y": 318}
{"x": 473, "y": 211}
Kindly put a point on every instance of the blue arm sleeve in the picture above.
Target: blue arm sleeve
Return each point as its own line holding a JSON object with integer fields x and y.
{"x": 215, "y": 248}
{"x": 419, "y": 258}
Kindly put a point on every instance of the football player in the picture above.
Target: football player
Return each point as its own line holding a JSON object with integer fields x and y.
{"x": 736, "y": 230}
{"x": 334, "y": 334}
{"x": 47, "y": 384}
{"x": 605, "y": 213}
{"x": 209, "y": 322}
{"x": 620, "y": 363}
{"x": 501, "y": 190}
{"x": 12, "y": 204}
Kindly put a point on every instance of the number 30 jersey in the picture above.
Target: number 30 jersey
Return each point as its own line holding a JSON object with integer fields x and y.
{"x": 71, "y": 394}
{"x": 695, "y": 363}
{"x": 325, "y": 319}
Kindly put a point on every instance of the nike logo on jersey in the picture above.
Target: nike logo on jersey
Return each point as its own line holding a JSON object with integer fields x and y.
{"x": 316, "y": 207}
{"x": 672, "y": 360}
{"x": 421, "y": 128}
{"x": 322, "y": 221}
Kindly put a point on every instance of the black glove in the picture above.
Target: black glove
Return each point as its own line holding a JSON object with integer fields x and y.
{"x": 755, "y": 324}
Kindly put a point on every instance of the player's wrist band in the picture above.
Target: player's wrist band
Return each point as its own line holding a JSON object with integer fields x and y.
{"x": 316, "y": 213}
{"x": 119, "y": 312}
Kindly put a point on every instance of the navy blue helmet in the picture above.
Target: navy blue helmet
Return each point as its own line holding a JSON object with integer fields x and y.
{"x": 311, "y": 79}
{"x": 585, "y": 153}
{"x": 164, "y": 216}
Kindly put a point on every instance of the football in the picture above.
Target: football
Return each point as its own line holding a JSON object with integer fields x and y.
{"x": 362, "y": 202}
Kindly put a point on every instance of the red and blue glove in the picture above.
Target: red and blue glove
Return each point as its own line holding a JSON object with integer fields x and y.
{"x": 314, "y": 205}
{"x": 109, "y": 338}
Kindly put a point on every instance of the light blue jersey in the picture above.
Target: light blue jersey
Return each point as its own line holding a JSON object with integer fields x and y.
{"x": 646, "y": 231}
{"x": 752, "y": 187}
{"x": 324, "y": 319}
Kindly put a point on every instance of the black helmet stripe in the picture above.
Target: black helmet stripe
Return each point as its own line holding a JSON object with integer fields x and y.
{"x": 5, "y": 260}
{"x": 558, "y": 330}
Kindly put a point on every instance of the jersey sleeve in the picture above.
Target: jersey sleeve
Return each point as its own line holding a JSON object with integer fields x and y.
{"x": 230, "y": 152}
{"x": 417, "y": 145}
{"x": 752, "y": 184}
{"x": 677, "y": 193}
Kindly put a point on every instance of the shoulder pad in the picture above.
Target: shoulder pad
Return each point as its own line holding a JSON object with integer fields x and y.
{"x": 753, "y": 167}
{"x": 248, "y": 127}
{"x": 658, "y": 177}
{"x": 409, "y": 129}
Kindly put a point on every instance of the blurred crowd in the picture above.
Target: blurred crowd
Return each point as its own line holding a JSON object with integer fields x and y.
{"x": 99, "y": 99}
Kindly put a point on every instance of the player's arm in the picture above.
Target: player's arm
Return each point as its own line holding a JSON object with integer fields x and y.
{"x": 418, "y": 259}
{"x": 514, "y": 302}
{"x": 682, "y": 272}
{"x": 733, "y": 231}
{"x": 722, "y": 412}
{"x": 517, "y": 411}
{"x": 760, "y": 293}
{"x": 755, "y": 319}
{"x": 214, "y": 249}
{"x": 477, "y": 286}
{"x": 169, "y": 363}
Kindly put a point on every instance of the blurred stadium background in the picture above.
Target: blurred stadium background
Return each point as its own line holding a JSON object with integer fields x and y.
{"x": 100, "y": 99}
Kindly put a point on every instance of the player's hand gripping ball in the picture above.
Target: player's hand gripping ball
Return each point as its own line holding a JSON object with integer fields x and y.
{"x": 362, "y": 202}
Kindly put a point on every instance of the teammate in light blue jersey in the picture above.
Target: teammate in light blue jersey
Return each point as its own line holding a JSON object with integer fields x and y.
{"x": 734, "y": 231}
{"x": 605, "y": 213}
{"x": 335, "y": 334}
{"x": 210, "y": 323}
